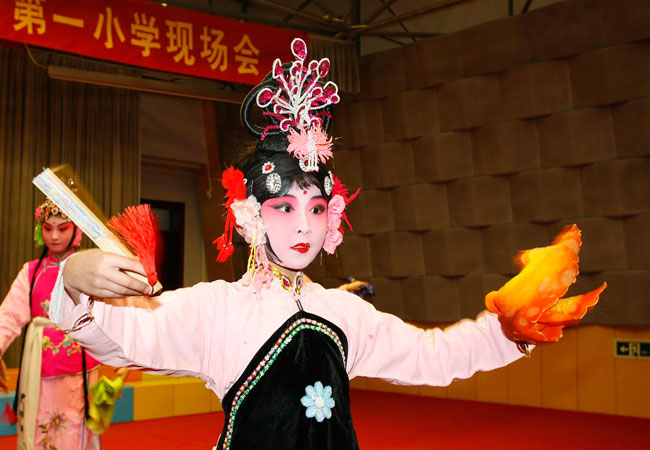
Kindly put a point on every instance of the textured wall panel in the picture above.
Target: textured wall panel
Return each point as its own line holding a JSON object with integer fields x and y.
{"x": 502, "y": 242}
{"x": 364, "y": 124}
{"x": 604, "y": 76}
{"x": 388, "y": 295}
{"x": 371, "y": 212}
{"x": 397, "y": 254}
{"x": 616, "y": 188}
{"x": 341, "y": 123}
{"x": 632, "y": 128}
{"x": 347, "y": 166}
{"x": 603, "y": 244}
{"x": 479, "y": 201}
{"x": 380, "y": 77}
{"x": 410, "y": 114}
{"x": 442, "y": 157}
{"x": 431, "y": 299}
{"x": 316, "y": 270}
{"x": 564, "y": 29}
{"x": 331, "y": 283}
{"x": 452, "y": 251}
{"x": 560, "y": 167}
{"x": 426, "y": 70}
{"x": 387, "y": 165}
{"x": 576, "y": 137}
{"x": 332, "y": 263}
{"x": 473, "y": 288}
{"x": 414, "y": 299}
{"x": 637, "y": 241}
{"x": 469, "y": 103}
{"x": 505, "y": 148}
{"x": 494, "y": 46}
{"x": 625, "y": 21}
{"x": 535, "y": 89}
{"x": 420, "y": 207}
{"x": 354, "y": 256}
{"x": 546, "y": 195}
{"x": 626, "y": 301}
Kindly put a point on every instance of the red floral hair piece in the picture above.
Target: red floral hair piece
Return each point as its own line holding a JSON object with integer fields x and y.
{"x": 233, "y": 182}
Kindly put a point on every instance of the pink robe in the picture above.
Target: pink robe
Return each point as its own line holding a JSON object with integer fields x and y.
{"x": 61, "y": 402}
{"x": 212, "y": 331}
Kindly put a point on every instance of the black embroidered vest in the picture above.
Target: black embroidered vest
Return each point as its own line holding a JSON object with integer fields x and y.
{"x": 294, "y": 394}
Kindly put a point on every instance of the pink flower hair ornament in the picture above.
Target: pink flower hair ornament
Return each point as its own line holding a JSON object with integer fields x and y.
{"x": 77, "y": 237}
{"x": 310, "y": 146}
{"x": 336, "y": 213}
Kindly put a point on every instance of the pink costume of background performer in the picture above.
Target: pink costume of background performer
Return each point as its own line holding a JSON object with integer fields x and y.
{"x": 51, "y": 407}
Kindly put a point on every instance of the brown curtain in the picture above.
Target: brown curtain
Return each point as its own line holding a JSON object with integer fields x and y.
{"x": 44, "y": 123}
{"x": 344, "y": 57}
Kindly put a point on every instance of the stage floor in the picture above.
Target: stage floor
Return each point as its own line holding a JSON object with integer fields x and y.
{"x": 395, "y": 421}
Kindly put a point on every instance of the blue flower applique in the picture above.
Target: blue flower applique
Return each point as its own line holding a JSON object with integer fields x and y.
{"x": 318, "y": 401}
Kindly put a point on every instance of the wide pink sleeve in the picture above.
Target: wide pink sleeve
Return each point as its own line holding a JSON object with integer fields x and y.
{"x": 15, "y": 310}
{"x": 178, "y": 337}
{"x": 386, "y": 347}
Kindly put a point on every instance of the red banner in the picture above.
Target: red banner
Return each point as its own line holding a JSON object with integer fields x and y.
{"x": 149, "y": 35}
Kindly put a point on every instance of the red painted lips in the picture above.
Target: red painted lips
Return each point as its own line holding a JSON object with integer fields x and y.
{"x": 303, "y": 247}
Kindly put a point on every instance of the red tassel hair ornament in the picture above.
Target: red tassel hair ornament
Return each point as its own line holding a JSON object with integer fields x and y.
{"x": 233, "y": 182}
{"x": 340, "y": 189}
{"x": 138, "y": 230}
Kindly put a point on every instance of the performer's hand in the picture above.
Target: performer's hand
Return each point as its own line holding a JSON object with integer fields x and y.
{"x": 100, "y": 274}
{"x": 3, "y": 376}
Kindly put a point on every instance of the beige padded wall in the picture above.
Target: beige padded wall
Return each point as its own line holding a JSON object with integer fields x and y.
{"x": 473, "y": 145}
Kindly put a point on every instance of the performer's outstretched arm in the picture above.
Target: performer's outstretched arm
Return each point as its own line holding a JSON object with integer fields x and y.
{"x": 166, "y": 334}
{"x": 383, "y": 346}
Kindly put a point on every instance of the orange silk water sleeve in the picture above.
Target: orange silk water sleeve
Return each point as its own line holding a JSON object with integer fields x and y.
{"x": 530, "y": 306}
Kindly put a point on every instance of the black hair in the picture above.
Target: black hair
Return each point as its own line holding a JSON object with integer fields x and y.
{"x": 286, "y": 166}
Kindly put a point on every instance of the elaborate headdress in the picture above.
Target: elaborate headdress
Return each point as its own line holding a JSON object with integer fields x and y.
{"x": 296, "y": 105}
{"x": 43, "y": 212}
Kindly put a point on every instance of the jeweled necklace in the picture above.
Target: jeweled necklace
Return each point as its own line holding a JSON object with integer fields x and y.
{"x": 286, "y": 282}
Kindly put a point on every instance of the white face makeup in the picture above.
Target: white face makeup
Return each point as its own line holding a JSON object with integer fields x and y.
{"x": 296, "y": 226}
{"x": 57, "y": 234}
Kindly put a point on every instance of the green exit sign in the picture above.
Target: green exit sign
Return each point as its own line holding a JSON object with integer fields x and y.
{"x": 631, "y": 349}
